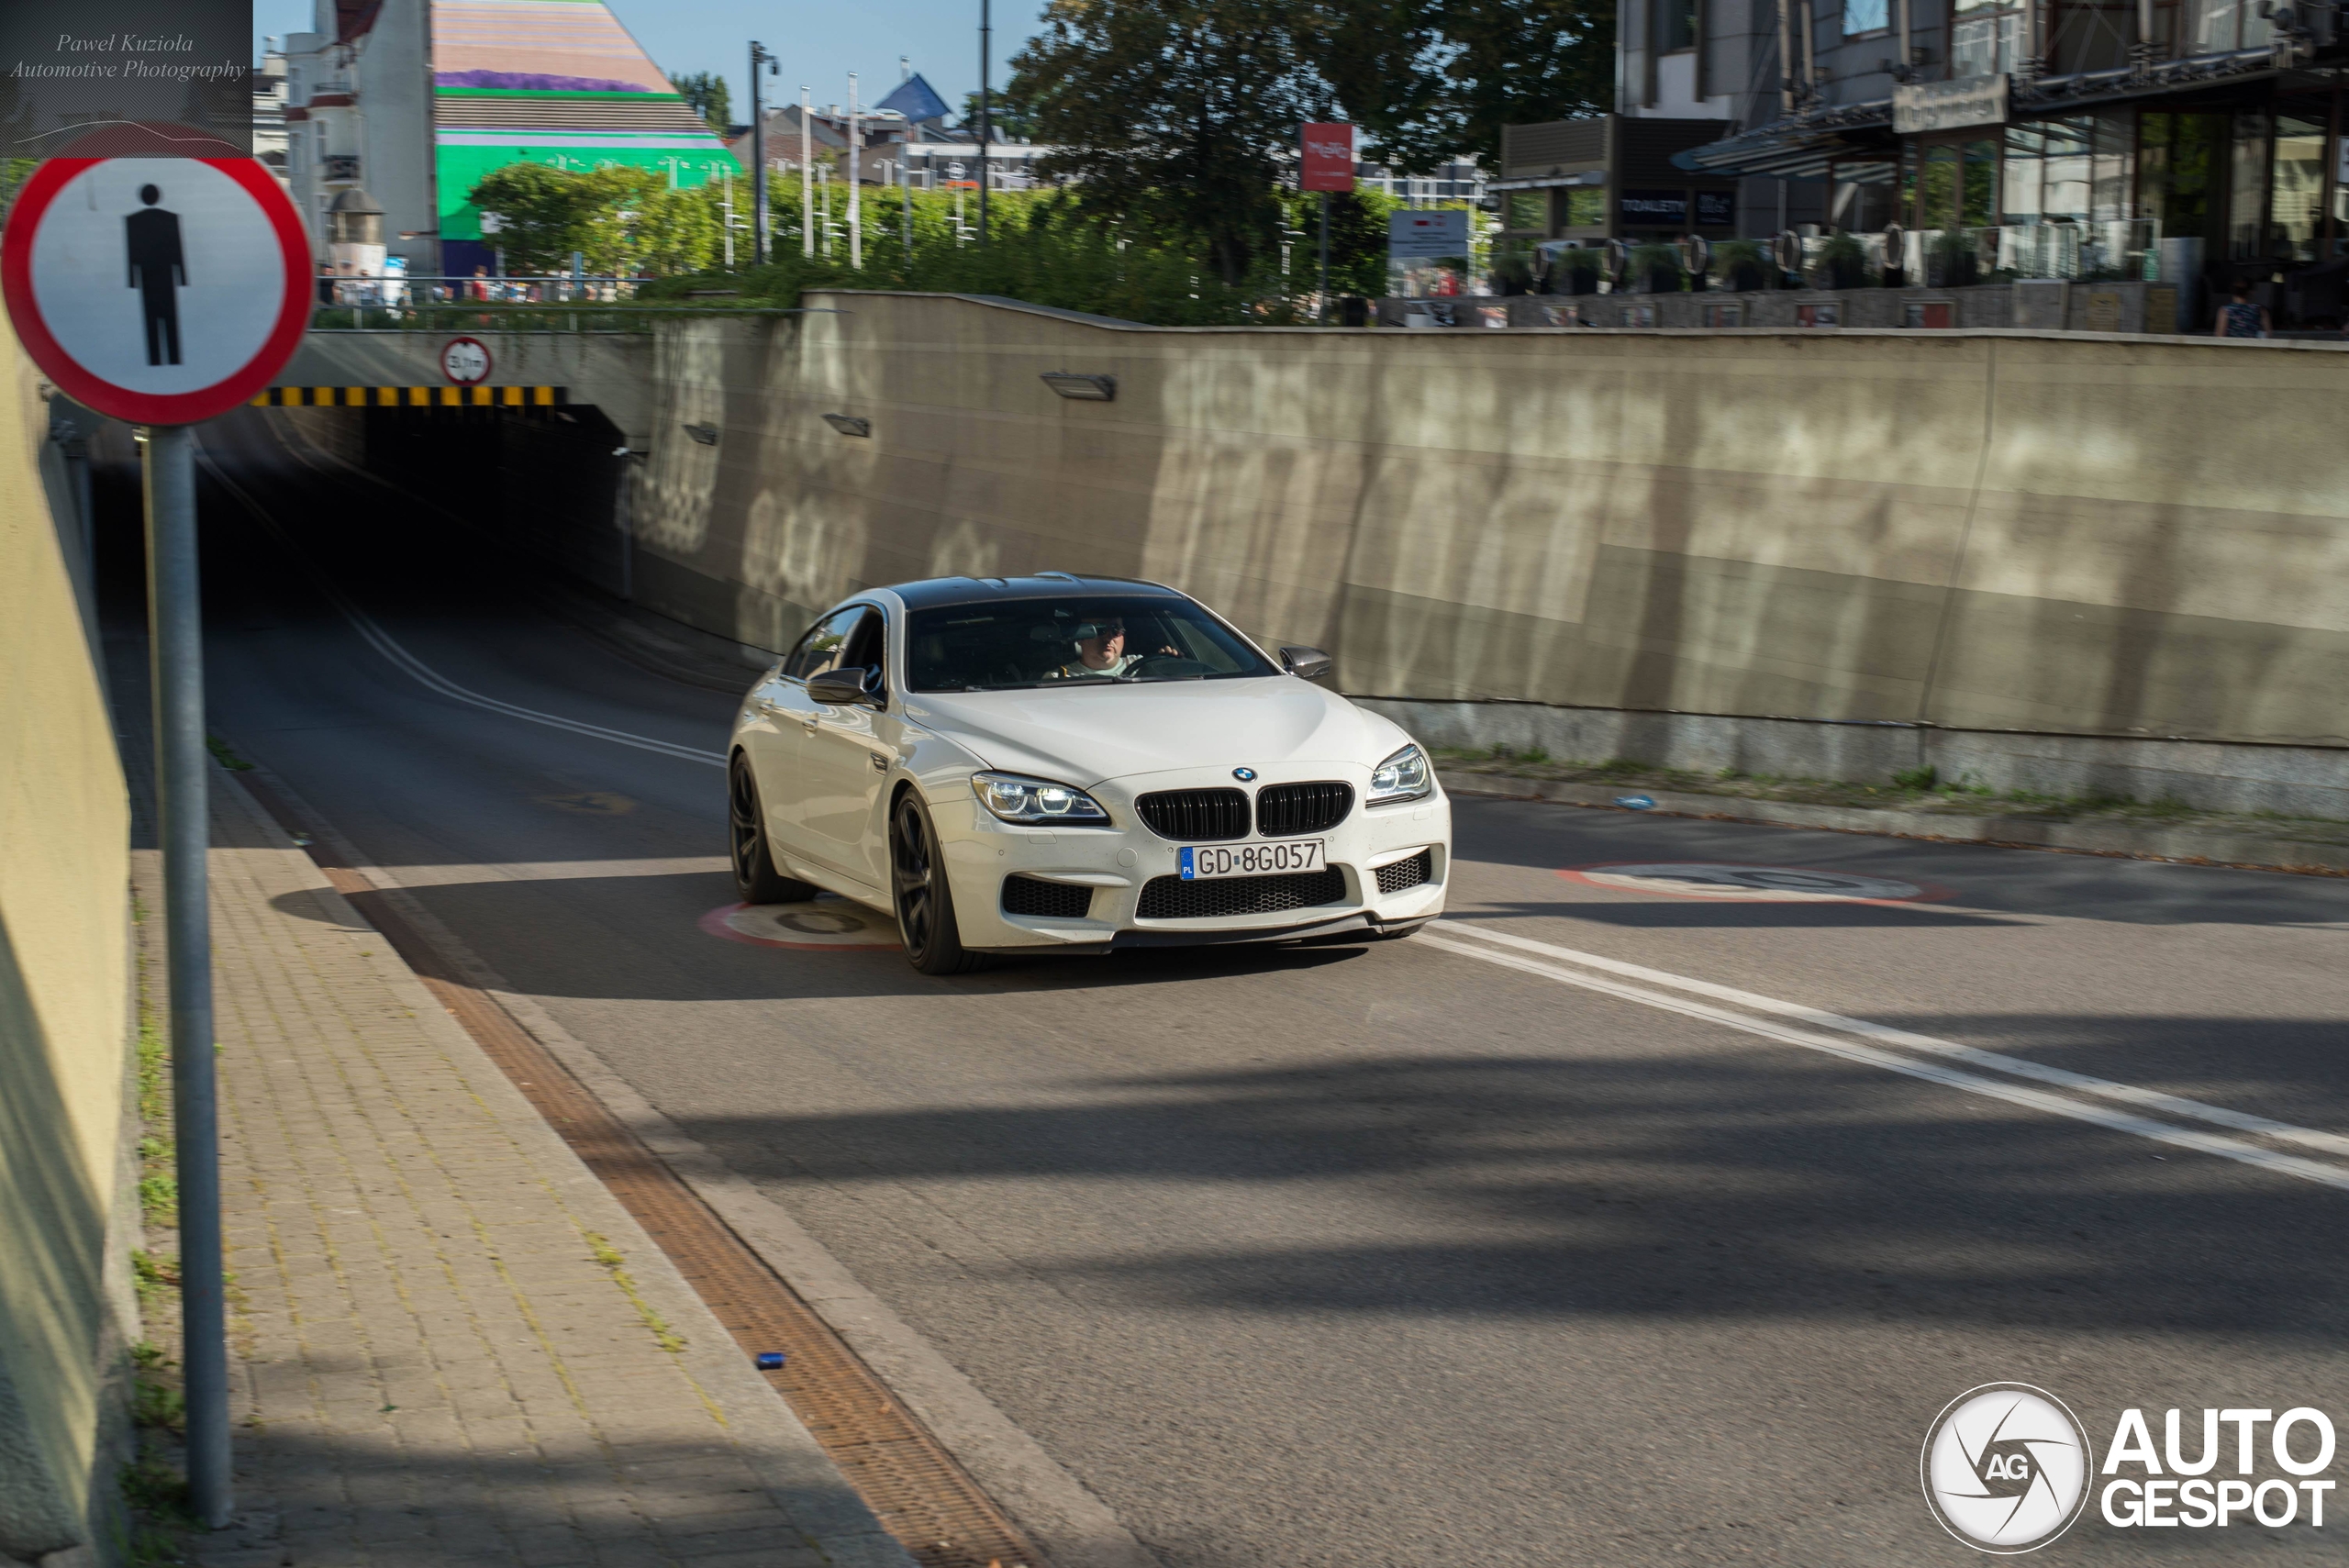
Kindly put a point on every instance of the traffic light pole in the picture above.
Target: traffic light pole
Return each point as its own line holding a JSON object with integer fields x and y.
{"x": 1324, "y": 295}
{"x": 175, "y": 647}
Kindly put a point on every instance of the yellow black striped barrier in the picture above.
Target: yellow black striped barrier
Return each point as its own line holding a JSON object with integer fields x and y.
{"x": 412, "y": 397}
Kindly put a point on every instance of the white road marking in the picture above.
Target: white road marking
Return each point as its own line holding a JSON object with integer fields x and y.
{"x": 2080, "y": 1083}
{"x": 424, "y": 674}
{"x": 1852, "y": 1050}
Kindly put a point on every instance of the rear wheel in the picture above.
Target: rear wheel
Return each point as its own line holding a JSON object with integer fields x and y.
{"x": 924, "y": 904}
{"x": 755, "y": 878}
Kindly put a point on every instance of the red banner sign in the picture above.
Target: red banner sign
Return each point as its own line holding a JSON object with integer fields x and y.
{"x": 1328, "y": 163}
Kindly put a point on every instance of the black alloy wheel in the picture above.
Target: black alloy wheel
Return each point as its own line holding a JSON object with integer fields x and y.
{"x": 755, "y": 878}
{"x": 925, "y": 903}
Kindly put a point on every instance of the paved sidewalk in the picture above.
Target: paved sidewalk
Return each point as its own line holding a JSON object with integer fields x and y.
{"x": 451, "y": 1344}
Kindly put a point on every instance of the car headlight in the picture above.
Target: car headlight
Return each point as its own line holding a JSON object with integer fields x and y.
{"x": 1403, "y": 776}
{"x": 1018, "y": 799}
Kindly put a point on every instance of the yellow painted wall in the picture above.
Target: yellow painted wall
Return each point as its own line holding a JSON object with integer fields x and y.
{"x": 64, "y": 836}
{"x": 2104, "y": 536}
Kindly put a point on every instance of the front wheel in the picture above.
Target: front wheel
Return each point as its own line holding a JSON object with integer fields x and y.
{"x": 924, "y": 904}
{"x": 755, "y": 878}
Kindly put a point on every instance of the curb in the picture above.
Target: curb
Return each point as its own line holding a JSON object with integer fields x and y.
{"x": 2192, "y": 845}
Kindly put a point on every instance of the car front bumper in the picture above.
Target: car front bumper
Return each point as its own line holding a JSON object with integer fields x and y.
{"x": 1115, "y": 865}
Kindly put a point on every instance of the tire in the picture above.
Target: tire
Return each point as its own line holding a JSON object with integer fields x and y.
{"x": 920, "y": 895}
{"x": 755, "y": 878}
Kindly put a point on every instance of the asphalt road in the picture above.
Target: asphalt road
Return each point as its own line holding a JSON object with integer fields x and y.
{"x": 1397, "y": 1254}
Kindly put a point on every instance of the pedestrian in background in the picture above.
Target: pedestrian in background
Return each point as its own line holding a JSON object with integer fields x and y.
{"x": 2243, "y": 318}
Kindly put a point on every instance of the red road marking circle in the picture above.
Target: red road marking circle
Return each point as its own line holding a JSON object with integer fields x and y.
{"x": 821, "y": 925}
{"x": 1738, "y": 882}
{"x": 465, "y": 360}
{"x": 48, "y": 267}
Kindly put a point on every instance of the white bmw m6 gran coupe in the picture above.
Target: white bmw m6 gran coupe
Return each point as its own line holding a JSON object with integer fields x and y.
{"x": 1018, "y": 765}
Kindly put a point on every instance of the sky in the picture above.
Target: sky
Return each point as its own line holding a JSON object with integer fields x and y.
{"x": 818, "y": 45}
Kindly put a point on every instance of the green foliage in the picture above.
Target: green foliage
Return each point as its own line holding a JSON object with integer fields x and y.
{"x": 1009, "y": 113}
{"x": 1437, "y": 79}
{"x": 710, "y": 98}
{"x": 1045, "y": 248}
{"x": 620, "y": 221}
{"x": 1654, "y": 269}
{"x": 1921, "y": 779}
{"x": 1173, "y": 114}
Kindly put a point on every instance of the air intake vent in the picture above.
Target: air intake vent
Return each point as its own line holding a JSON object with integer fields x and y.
{"x": 1283, "y": 809}
{"x": 1051, "y": 900}
{"x": 1172, "y": 898}
{"x": 1195, "y": 816}
{"x": 1419, "y": 868}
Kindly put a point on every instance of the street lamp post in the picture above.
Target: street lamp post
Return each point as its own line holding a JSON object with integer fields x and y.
{"x": 759, "y": 56}
{"x": 987, "y": 126}
{"x": 806, "y": 179}
{"x": 855, "y": 179}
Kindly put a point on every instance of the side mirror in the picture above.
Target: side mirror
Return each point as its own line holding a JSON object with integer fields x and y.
{"x": 843, "y": 688}
{"x": 1306, "y": 664}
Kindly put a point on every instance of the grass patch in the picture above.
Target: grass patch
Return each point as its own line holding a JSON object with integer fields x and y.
{"x": 227, "y": 758}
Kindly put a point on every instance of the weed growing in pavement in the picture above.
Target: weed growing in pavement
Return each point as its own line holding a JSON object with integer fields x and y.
{"x": 156, "y": 1281}
{"x": 1919, "y": 779}
{"x": 228, "y": 759}
{"x": 668, "y": 1338}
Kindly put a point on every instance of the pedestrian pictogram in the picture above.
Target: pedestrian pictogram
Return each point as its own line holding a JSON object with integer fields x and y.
{"x": 161, "y": 291}
{"x": 157, "y": 271}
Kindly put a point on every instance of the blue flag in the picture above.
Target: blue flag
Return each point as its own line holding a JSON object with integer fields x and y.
{"x": 916, "y": 100}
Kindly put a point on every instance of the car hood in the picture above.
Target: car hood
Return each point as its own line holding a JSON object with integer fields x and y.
{"x": 1083, "y": 735}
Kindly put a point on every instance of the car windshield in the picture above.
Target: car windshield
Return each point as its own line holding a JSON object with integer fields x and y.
{"x": 996, "y": 647}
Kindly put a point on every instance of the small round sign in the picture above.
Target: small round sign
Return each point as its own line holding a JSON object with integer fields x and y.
{"x": 1753, "y": 884}
{"x": 465, "y": 360}
{"x": 824, "y": 924}
{"x": 161, "y": 291}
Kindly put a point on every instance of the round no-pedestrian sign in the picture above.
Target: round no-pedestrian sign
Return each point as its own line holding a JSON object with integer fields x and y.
{"x": 161, "y": 291}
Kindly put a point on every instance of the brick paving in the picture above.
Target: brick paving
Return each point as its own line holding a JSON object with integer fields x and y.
{"x": 451, "y": 1345}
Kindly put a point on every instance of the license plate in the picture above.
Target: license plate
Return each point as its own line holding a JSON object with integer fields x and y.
{"x": 1251, "y": 860}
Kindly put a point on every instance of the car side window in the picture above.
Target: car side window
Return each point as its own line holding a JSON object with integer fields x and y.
{"x": 821, "y": 649}
{"x": 864, "y": 644}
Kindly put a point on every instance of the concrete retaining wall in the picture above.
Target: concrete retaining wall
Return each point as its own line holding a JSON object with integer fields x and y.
{"x": 64, "y": 1022}
{"x": 2091, "y": 537}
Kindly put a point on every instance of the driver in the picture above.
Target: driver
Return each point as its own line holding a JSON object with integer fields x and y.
{"x": 1101, "y": 651}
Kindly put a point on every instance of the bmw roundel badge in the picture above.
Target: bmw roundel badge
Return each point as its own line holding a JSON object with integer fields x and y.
{"x": 1245, "y": 775}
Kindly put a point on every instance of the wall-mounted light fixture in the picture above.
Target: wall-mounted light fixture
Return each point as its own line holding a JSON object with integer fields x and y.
{"x": 849, "y": 424}
{"x": 1082, "y": 387}
{"x": 705, "y": 434}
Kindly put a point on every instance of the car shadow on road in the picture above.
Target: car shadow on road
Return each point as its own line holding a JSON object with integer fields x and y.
{"x": 1601, "y": 1185}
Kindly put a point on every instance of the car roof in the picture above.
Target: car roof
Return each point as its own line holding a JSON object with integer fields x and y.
{"x": 933, "y": 592}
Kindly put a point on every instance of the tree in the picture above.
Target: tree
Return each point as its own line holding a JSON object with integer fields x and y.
{"x": 1437, "y": 79}
{"x": 1009, "y": 115}
{"x": 1174, "y": 112}
{"x": 710, "y": 98}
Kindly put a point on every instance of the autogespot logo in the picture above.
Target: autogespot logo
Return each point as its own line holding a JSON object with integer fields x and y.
{"x": 2007, "y": 1467}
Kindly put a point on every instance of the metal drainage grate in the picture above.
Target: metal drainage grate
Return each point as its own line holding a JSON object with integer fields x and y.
{"x": 1194, "y": 814}
{"x": 913, "y": 1485}
{"x": 1172, "y": 898}
{"x": 1283, "y": 809}
{"x": 1050, "y": 900}
{"x": 1401, "y": 875}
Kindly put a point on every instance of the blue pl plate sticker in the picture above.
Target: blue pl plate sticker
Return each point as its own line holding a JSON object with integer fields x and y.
{"x": 1188, "y": 875}
{"x": 1629, "y": 802}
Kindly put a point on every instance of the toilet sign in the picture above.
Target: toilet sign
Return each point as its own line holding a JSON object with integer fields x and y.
{"x": 160, "y": 291}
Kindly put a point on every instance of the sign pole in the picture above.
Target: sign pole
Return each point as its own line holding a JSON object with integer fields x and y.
{"x": 1324, "y": 311}
{"x": 175, "y": 643}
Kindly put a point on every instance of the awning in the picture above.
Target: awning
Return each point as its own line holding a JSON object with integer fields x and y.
{"x": 1800, "y": 147}
{"x": 1549, "y": 182}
